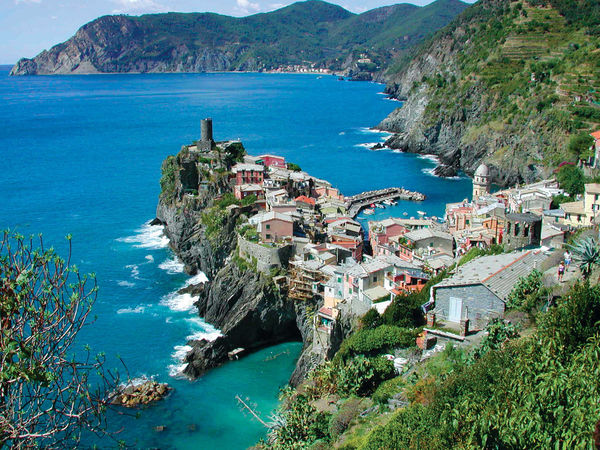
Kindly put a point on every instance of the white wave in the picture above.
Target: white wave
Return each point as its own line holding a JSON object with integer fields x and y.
{"x": 179, "y": 302}
{"x": 172, "y": 266}
{"x": 138, "y": 380}
{"x": 384, "y": 134}
{"x": 202, "y": 330}
{"x": 149, "y": 258}
{"x": 148, "y": 236}
{"x": 135, "y": 271}
{"x": 137, "y": 310}
{"x": 368, "y": 145}
{"x": 176, "y": 369}
{"x": 431, "y": 172}
{"x": 197, "y": 279}
{"x": 432, "y": 158}
{"x": 123, "y": 283}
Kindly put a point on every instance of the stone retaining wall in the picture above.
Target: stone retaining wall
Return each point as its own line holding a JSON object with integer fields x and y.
{"x": 267, "y": 258}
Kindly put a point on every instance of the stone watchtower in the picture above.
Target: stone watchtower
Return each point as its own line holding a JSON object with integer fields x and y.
{"x": 481, "y": 181}
{"x": 206, "y": 142}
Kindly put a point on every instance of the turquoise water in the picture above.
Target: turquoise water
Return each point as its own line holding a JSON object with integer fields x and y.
{"x": 82, "y": 155}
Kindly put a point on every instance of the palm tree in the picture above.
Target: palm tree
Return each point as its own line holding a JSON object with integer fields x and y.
{"x": 587, "y": 255}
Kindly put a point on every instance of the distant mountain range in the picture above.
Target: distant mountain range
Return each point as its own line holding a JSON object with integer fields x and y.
{"x": 305, "y": 34}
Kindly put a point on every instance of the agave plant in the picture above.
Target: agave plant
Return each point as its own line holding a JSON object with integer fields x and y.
{"x": 587, "y": 255}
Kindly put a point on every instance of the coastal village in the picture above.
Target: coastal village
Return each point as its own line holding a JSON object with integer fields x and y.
{"x": 304, "y": 232}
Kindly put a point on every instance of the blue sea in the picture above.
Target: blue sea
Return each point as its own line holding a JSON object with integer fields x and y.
{"x": 81, "y": 155}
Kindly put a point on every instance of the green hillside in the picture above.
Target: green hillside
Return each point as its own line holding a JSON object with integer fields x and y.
{"x": 519, "y": 80}
{"x": 313, "y": 33}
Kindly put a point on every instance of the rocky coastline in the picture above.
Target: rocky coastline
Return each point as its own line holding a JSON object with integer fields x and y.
{"x": 251, "y": 311}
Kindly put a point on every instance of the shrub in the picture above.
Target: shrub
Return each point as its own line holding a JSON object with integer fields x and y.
{"x": 347, "y": 413}
{"x": 370, "y": 342}
{"x": 571, "y": 179}
{"x": 527, "y": 293}
{"x": 372, "y": 319}
{"x": 387, "y": 389}
{"x": 361, "y": 375}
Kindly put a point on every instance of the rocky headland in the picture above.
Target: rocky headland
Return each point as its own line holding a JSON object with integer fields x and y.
{"x": 248, "y": 306}
{"x": 481, "y": 91}
{"x": 302, "y": 37}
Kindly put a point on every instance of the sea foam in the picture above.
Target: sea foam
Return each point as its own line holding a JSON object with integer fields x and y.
{"x": 172, "y": 266}
{"x": 148, "y": 236}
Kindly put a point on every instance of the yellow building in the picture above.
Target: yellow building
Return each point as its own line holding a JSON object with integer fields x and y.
{"x": 582, "y": 213}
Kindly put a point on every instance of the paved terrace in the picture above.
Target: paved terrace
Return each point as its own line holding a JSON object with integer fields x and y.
{"x": 357, "y": 203}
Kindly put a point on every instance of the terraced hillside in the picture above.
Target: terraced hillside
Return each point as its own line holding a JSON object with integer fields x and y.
{"x": 508, "y": 82}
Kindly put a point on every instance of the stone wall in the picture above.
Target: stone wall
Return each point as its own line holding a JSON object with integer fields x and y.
{"x": 479, "y": 305}
{"x": 266, "y": 257}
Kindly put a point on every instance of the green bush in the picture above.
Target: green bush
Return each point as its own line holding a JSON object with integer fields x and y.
{"x": 347, "y": 413}
{"x": 372, "y": 319}
{"x": 370, "y": 342}
{"x": 387, "y": 389}
{"x": 361, "y": 375}
{"x": 168, "y": 178}
{"x": 527, "y": 293}
{"x": 249, "y": 200}
{"x": 571, "y": 179}
{"x": 226, "y": 200}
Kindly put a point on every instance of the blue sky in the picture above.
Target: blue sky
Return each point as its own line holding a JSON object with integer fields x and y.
{"x": 29, "y": 26}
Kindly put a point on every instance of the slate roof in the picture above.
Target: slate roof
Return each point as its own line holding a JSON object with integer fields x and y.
{"x": 240, "y": 167}
{"x": 499, "y": 273}
{"x": 271, "y": 215}
{"x": 427, "y": 233}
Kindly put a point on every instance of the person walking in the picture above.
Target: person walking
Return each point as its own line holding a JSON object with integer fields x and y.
{"x": 561, "y": 271}
{"x": 568, "y": 259}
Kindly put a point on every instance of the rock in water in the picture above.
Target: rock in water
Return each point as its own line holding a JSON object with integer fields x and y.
{"x": 132, "y": 395}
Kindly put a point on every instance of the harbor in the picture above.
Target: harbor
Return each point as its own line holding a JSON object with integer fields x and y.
{"x": 357, "y": 203}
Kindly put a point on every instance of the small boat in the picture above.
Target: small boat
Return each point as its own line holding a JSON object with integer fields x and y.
{"x": 369, "y": 212}
{"x": 405, "y": 213}
{"x": 389, "y": 202}
{"x": 341, "y": 79}
{"x": 319, "y": 77}
{"x": 421, "y": 213}
{"x": 379, "y": 205}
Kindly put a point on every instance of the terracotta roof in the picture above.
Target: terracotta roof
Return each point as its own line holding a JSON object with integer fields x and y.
{"x": 596, "y": 134}
{"x": 305, "y": 199}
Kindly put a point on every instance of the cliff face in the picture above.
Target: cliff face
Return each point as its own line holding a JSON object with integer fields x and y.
{"x": 244, "y": 304}
{"x": 481, "y": 90}
{"x": 311, "y": 33}
{"x": 114, "y": 44}
{"x": 249, "y": 310}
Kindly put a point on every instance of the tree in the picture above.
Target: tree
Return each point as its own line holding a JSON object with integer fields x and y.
{"x": 45, "y": 393}
{"x": 580, "y": 145}
{"x": 571, "y": 179}
{"x": 587, "y": 255}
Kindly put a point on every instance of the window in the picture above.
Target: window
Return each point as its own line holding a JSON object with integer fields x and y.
{"x": 350, "y": 290}
{"x": 526, "y": 231}
{"x": 374, "y": 278}
{"x": 268, "y": 236}
{"x": 268, "y": 227}
{"x": 339, "y": 279}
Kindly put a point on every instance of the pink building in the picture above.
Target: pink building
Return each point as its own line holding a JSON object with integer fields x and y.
{"x": 273, "y": 161}
{"x": 328, "y": 191}
{"x": 248, "y": 173}
{"x": 244, "y": 190}
{"x": 275, "y": 226}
